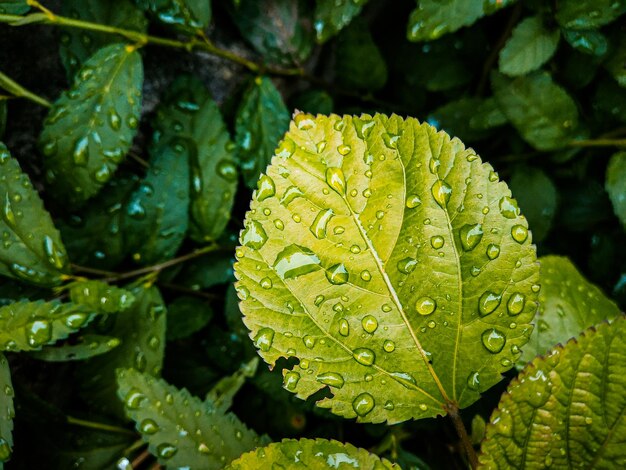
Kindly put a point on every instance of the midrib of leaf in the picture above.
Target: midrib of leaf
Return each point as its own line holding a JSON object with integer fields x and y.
{"x": 527, "y": 437}
{"x": 568, "y": 414}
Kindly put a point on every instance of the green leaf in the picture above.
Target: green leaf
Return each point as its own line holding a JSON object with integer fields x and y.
{"x": 90, "y": 127}
{"x": 141, "y": 330}
{"x": 31, "y": 249}
{"x": 487, "y": 115}
{"x": 187, "y": 315}
{"x": 180, "y": 429}
{"x": 309, "y": 453}
{"x": 314, "y": 102}
{"x": 100, "y": 297}
{"x": 262, "y": 118}
{"x": 616, "y": 60}
{"x": 27, "y": 326}
{"x": 609, "y": 100}
{"x": 77, "y": 45}
{"x": 537, "y": 197}
{"x": 83, "y": 347}
{"x": 359, "y": 63}
{"x": 568, "y": 305}
{"x": 582, "y": 15}
{"x": 187, "y": 111}
{"x": 331, "y": 16}
{"x": 566, "y": 409}
{"x": 279, "y": 30}
{"x": 394, "y": 265}
{"x": 6, "y": 401}
{"x": 188, "y": 15}
{"x": 542, "y": 112}
{"x": 616, "y": 185}
{"x": 13, "y": 7}
{"x": 530, "y": 46}
{"x": 157, "y": 213}
{"x": 455, "y": 117}
{"x": 591, "y": 42}
{"x": 3, "y": 116}
{"x": 207, "y": 271}
{"x": 222, "y": 394}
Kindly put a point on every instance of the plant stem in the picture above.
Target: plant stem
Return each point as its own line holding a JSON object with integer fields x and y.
{"x": 453, "y": 413}
{"x": 19, "y": 91}
{"x": 140, "y": 459}
{"x": 598, "y": 143}
{"x": 100, "y": 426}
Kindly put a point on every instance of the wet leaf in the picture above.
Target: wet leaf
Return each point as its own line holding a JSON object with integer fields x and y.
{"x": 31, "y": 249}
{"x": 187, "y": 111}
{"x": 188, "y": 15}
{"x": 530, "y": 46}
{"x": 616, "y": 60}
{"x": 588, "y": 42}
{"x": 207, "y": 271}
{"x": 77, "y": 45}
{"x": 566, "y": 409}
{"x": 542, "y": 112}
{"x": 187, "y": 315}
{"x": 90, "y": 127}
{"x": 314, "y": 102}
{"x": 455, "y": 117}
{"x": 222, "y": 394}
{"x": 568, "y": 305}
{"x": 100, "y": 297}
{"x": 616, "y": 185}
{"x": 180, "y": 429}
{"x": 487, "y": 115}
{"x": 309, "y": 453}
{"x": 6, "y": 402}
{"x": 587, "y": 14}
{"x": 382, "y": 245}
{"x": 262, "y": 119}
{"x": 13, "y": 7}
{"x": 157, "y": 213}
{"x": 331, "y": 16}
{"x": 83, "y": 347}
{"x": 27, "y": 326}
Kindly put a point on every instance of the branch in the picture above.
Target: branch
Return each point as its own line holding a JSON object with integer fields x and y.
{"x": 19, "y": 91}
{"x": 453, "y": 413}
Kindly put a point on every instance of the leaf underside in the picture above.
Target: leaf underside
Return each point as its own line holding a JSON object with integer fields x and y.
{"x": 391, "y": 262}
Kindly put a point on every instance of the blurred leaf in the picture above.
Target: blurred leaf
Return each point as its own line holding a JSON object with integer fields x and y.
{"x": 566, "y": 409}
{"x": 13, "y": 7}
{"x": 90, "y": 127}
{"x": 207, "y": 271}
{"x": 478, "y": 429}
{"x": 157, "y": 213}
{"x": 77, "y": 45}
{"x": 31, "y": 250}
{"x": 186, "y": 365}
{"x": 587, "y": 205}
{"x": 543, "y": 112}
{"x": 222, "y": 394}
{"x": 359, "y": 63}
{"x": 537, "y": 197}
{"x": 3, "y": 117}
{"x": 280, "y": 30}
{"x": 610, "y": 100}
{"x": 188, "y": 112}
{"x": 185, "y": 316}
{"x": 568, "y": 305}
{"x": 577, "y": 69}
{"x": 181, "y": 430}
{"x": 313, "y": 101}
{"x": 12, "y": 290}
{"x": 262, "y": 119}
{"x": 331, "y": 16}
{"x": 591, "y": 42}
{"x": 616, "y": 185}
{"x": 616, "y": 62}
{"x": 530, "y": 46}
{"x": 100, "y": 297}
{"x": 455, "y": 117}
{"x": 588, "y": 14}
{"x": 82, "y": 347}
{"x": 6, "y": 402}
{"x": 487, "y": 115}
{"x": 187, "y": 15}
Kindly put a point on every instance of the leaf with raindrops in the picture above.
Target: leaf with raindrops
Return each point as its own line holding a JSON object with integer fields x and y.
{"x": 6, "y": 403}
{"x": 331, "y": 16}
{"x": 90, "y": 128}
{"x": 223, "y": 392}
{"x": 186, "y": 315}
{"x": 13, "y": 7}
{"x": 391, "y": 262}
{"x": 188, "y": 112}
{"x": 78, "y": 45}
{"x": 81, "y": 348}
{"x": 588, "y": 15}
{"x": 262, "y": 118}
{"x": 568, "y": 305}
{"x": 566, "y": 409}
{"x": 310, "y": 453}
{"x": 190, "y": 16}
{"x": 180, "y": 429}
{"x": 615, "y": 184}
{"x": 100, "y": 297}
{"x": 31, "y": 248}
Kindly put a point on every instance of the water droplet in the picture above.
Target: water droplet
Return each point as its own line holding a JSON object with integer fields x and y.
{"x": 516, "y": 303}
{"x": 227, "y": 170}
{"x": 134, "y": 398}
{"x": 364, "y": 356}
{"x": 115, "y": 120}
{"x": 76, "y": 320}
{"x": 254, "y": 235}
{"x": 295, "y": 261}
{"x": 344, "y": 327}
{"x": 389, "y": 405}
{"x": 363, "y": 404}
{"x": 363, "y": 126}
{"x": 390, "y": 140}
{"x": 389, "y": 346}
{"x": 38, "y": 333}
{"x": 473, "y": 381}
{"x": 336, "y": 180}
{"x": 337, "y": 274}
{"x": 412, "y": 201}
{"x": 279, "y": 224}
{"x": 265, "y": 188}
{"x": 290, "y": 381}
{"x": 309, "y": 341}
{"x": 344, "y": 149}
{"x": 304, "y": 121}
{"x": 321, "y": 146}
{"x": 509, "y": 207}
{"x": 488, "y": 302}
{"x": 80, "y": 155}
{"x": 204, "y": 449}
{"x": 437, "y": 242}
{"x": 369, "y": 323}
{"x": 266, "y": 283}
{"x": 331, "y": 378}
{"x": 519, "y": 233}
{"x": 493, "y": 340}
{"x": 470, "y": 236}
{"x": 264, "y": 338}
{"x": 149, "y": 426}
{"x": 319, "y": 225}
{"x": 406, "y": 380}
{"x": 367, "y": 192}
{"x": 493, "y": 251}
{"x": 365, "y": 275}
{"x": 493, "y": 176}
{"x": 166, "y": 451}
{"x": 5, "y": 450}
{"x": 407, "y": 265}
{"x": 425, "y": 305}
{"x": 286, "y": 148}
{"x": 441, "y": 192}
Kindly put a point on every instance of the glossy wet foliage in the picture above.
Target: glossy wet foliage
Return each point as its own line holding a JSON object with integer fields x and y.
{"x": 257, "y": 234}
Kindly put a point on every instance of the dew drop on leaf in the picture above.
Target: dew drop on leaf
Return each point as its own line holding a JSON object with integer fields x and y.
{"x": 331, "y": 378}
{"x": 294, "y": 261}
{"x": 364, "y": 356}
{"x": 369, "y": 323}
{"x": 336, "y": 180}
{"x": 264, "y": 338}
{"x": 470, "y": 236}
{"x": 425, "y": 305}
{"x": 441, "y": 192}
{"x": 519, "y": 233}
{"x": 290, "y": 381}
{"x": 488, "y": 302}
{"x": 337, "y": 274}
{"x": 516, "y": 303}
{"x": 493, "y": 340}
{"x": 363, "y": 404}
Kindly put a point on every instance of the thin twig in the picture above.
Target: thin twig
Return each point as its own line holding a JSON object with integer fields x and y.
{"x": 100, "y": 426}
{"x": 453, "y": 413}
{"x": 141, "y": 458}
{"x": 19, "y": 91}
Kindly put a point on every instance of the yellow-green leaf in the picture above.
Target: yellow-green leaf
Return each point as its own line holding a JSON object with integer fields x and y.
{"x": 6, "y": 401}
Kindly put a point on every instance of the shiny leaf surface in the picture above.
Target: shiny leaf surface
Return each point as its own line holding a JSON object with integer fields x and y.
{"x": 187, "y": 15}
{"x": 13, "y": 7}
{"x": 83, "y": 347}
{"x": 586, "y": 14}
{"x": 616, "y": 185}
{"x": 100, "y": 297}
{"x": 331, "y": 16}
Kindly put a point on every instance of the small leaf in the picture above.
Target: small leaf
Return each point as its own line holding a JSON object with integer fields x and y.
{"x": 187, "y": 111}
{"x": 568, "y": 305}
{"x": 616, "y": 185}
{"x": 530, "y": 46}
{"x": 309, "y": 453}
{"x": 77, "y": 45}
{"x": 314, "y": 102}
{"x": 157, "y": 213}
{"x": 207, "y": 271}
{"x": 187, "y": 315}
{"x": 583, "y": 15}
{"x": 181, "y": 430}
{"x": 455, "y": 117}
{"x": 566, "y": 409}
{"x": 543, "y": 112}
{"x": 222, "y": 394}
{"x": 487, "y": 115}
{"x": 188, "y": 15}
{"x": 616, "y": 60}
{"x": 31, "y": 249}
{"x": 27, "y": 326}
{"x": 83, "y": 347}
{"x": 8, "y": 411}
{"x": 389, "y": 241}
{"x": 331, "y": 16}
{"x": 261, "y": 120}
{"x": 13, "y": 7}
{"x": 591, "y": 42}
{"x": 100, "y": 297}
{"x": 90, "y": 127}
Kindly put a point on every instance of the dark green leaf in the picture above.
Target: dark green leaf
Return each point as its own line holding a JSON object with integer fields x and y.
{"x": 359, "y": 63}
{"x": 3, "y": 116}
{"x": 82, "y": 347}
{"x": 222, "y": 394}
{"x": 13, "y": 7}
{"x": 566, "y": 409}
{"x": 185, "y": 316}
{"x": 314, "y": 102}
{"x": 207, "y": 271}
{"x": 487, "y": 115}
{"x": 181, "y": 430}
{"x": 100, "y": 297}
{"x": 157, "y": 213}
{"x": 77, "y": 45}
{"x": 280, "y": 30}
{"x": 616, "y": 62}
{"x": 262, "y": 119}
{"x": 609, "y": 100}
{"x": 12, "y": 290}
{"x": 543, "y": 112}
{"x": 588, "y": 42}
{"x": 6, "y": 402}
{"x": 588, "y": 14}
{"x": 331, "y": 16}
{"x": 616, "y": 185}
{"x": 31, "y": 249}
{"x": 568, "y": 305}
{"x": 455, "y": 117}
{"x": 187, "y": 111}
{"x": 90, "y": 127}
{"x": 188, "y": 15}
